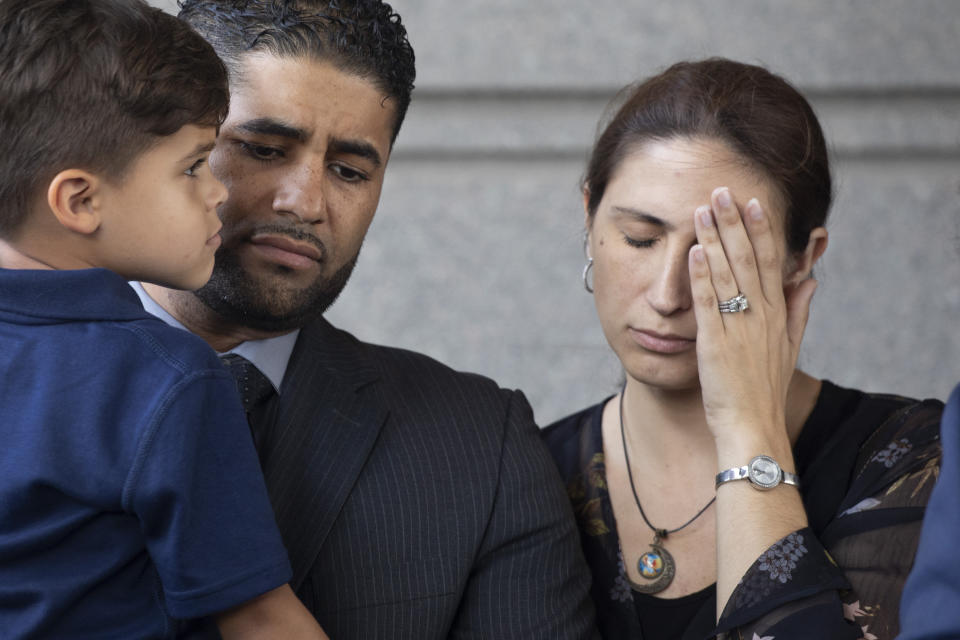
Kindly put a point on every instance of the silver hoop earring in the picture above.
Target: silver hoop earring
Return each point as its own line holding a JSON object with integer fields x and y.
{"x": 589, "y": 265}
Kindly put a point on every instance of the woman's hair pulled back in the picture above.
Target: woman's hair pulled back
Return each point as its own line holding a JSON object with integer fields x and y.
{"x": 757, "y": 113}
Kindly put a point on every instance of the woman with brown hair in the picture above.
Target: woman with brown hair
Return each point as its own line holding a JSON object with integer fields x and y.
{"x": 722, "y": 489}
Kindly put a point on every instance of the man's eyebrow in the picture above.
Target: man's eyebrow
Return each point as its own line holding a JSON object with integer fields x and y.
{"x": 643, "y": 216}
{"x": 356, "y": 148}
{"x": 273, "y": 127}
{"x": 199, "y": 150}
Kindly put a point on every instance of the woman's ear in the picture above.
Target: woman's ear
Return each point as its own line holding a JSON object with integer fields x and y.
{"x": 74, "y": 196}
{"x": 586, "y": 208}
{"x": 804, "y": 261}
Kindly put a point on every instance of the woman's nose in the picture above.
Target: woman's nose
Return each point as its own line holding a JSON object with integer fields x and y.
{"x": 669, "y": 293}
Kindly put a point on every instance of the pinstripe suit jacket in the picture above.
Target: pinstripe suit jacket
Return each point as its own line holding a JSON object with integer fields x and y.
{"x": 417, "y": 502}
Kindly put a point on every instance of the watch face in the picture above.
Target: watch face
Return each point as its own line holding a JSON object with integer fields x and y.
{"x": 764, "y": 472}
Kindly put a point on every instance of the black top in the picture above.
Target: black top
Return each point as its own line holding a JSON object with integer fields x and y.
{"x": 866, "y": 462}
{"x": 667, "y": 618}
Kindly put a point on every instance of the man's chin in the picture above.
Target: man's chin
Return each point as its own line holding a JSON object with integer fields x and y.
{"x": 268, "y": 304}
{"x": 252, "y": 314}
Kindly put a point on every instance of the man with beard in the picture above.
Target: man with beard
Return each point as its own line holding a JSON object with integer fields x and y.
{"x": 414, "y": 501}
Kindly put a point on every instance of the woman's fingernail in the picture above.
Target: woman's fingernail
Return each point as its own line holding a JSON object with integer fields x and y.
{"x": 723, "y": 197}
{"x": 697, "y": 251}
{"x": 706, "y": 217}
{"x": 754, "y": 210}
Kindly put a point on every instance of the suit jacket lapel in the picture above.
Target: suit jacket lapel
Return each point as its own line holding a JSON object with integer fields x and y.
{"x": 326, "y": 424}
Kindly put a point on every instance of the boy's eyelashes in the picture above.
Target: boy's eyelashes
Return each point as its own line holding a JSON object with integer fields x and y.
{"x": 195, "y": 167}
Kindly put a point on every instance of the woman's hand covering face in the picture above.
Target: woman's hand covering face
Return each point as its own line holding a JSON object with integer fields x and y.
{"x": 745, "y": 359}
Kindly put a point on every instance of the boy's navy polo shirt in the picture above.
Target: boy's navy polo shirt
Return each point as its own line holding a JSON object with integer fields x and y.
{"x": 130, "y": 491}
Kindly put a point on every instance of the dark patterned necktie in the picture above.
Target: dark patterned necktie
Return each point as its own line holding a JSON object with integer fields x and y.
{"x": 254, "y": 387}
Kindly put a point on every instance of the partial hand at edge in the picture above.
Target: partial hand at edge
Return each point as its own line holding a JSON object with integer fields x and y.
{"x": 275, "y": 614}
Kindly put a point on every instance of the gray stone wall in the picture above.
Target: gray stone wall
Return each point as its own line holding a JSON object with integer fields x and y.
{"x": 475, "y": 254}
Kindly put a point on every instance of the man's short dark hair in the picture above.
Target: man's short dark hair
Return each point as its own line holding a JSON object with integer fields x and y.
{"x": 361, "y": 37}
{"x": 92, "y": 84}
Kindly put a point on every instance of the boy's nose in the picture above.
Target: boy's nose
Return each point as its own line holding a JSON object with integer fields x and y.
{"x": 218, "y": 193}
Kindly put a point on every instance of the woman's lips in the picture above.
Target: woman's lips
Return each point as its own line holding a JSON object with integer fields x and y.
{"x": 287, "y": 251}
{"x": 661, "y": 343}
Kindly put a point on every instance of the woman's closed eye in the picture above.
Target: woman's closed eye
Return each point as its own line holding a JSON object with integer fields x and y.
{"x": 640, "y": 243}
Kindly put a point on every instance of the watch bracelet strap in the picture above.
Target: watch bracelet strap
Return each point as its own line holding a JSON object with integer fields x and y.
{"x": 743, "y": 473}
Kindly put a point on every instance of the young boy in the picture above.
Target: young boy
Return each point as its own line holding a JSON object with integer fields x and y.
{"x": 130, "y": 493}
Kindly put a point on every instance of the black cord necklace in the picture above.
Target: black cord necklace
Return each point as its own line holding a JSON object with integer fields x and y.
{"x": 656, "y": 565}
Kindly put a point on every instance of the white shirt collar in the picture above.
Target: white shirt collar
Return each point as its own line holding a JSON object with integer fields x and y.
{"x": 271, "y": 355}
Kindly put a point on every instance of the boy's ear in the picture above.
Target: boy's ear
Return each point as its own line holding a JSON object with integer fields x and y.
{"x": 74, "y": 196}
{"x": 803, "y": 262}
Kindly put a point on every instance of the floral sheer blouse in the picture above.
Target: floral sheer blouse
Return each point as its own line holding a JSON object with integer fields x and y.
{"x": 867, "y": 463}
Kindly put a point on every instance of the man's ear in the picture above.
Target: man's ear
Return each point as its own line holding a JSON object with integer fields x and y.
{"x": 74, "y": 196}
{"x": 803, "y": 262}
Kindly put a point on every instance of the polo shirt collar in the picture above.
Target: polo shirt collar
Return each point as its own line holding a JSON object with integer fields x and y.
{"x": 270, "y": 355}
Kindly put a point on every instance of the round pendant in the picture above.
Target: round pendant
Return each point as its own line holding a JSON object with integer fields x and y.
{"x": 650, "y": 565}
{"x": 656, "y": 566}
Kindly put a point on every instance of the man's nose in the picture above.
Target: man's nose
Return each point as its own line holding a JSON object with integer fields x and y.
{"x": 301, "y": 193}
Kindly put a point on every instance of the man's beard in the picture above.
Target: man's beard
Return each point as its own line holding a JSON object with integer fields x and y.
{"x": 238, "y": 298}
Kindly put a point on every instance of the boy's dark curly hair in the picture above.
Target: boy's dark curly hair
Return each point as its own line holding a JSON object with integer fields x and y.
{"x": 361, "y": 37}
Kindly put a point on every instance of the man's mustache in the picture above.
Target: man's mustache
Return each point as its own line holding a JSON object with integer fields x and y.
{"x": 291, "y": 231}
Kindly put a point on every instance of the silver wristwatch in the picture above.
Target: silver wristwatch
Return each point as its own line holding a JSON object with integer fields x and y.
{"x": 763, "y": 472}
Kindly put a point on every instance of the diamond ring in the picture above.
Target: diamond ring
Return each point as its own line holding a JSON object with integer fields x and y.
{"x": 734, "y": 305}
